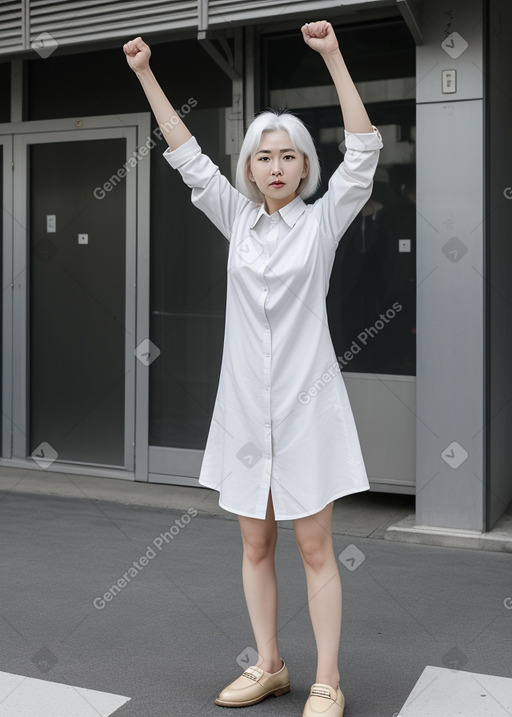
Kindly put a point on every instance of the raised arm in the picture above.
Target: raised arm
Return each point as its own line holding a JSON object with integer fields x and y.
{"x": 321, "y": 37}
{"x": 173, "y": 128}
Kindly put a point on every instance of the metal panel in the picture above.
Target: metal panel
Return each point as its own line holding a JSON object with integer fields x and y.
{"x": 20, "y": 308}
{"x": 84, "y": 21}
{"x": 450, "y": 478}
{"x": 77, "y": 327}
{"x": 51, "y": 23}
{"x": 7, "y": 279}
{"x": 143, "y": 303}
{"x": 388, "y": 445}
{"x": 141, "y": 123}
{"x": 452, "y": 35}
{"x": 172, "y": 462}
{"x": 450, "y": 316}
{"x": 132, "y": 147}
{"x": 223, "y": 11}
{"x": 11, "y": 26}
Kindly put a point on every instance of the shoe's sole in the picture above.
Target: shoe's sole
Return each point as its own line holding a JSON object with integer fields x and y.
{"x": 247, "y": 703}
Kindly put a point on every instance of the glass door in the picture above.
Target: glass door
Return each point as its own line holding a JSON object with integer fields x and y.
{"x": 73, "y": 329}
{"x": 187, "y": 305}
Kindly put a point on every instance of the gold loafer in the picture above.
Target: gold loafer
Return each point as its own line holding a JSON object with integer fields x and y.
{"x": 324, "y": 700}
{"x": 254, "y": 686}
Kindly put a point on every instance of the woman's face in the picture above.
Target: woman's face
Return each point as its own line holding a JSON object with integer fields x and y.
{"x": 277, "y": 168}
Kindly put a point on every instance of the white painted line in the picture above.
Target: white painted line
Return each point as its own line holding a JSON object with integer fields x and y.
{"x": 28, "y": 697}
{"x": 451, "y": 693}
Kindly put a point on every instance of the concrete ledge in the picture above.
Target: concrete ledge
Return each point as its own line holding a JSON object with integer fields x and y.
{"x": 128, "y": 492}
{"x": 499, "y": 539}
{"x": 364, "y": 514}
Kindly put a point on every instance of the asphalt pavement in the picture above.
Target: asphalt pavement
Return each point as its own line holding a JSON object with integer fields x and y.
{"x": 146, "y": 602}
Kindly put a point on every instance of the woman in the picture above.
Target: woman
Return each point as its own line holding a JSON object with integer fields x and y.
{"x": 282, "y": 443}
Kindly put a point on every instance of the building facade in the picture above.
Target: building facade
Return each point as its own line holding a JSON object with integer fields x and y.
{"x": 114, "y": 284}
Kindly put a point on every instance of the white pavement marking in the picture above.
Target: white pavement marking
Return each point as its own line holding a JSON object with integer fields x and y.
{"x": 28, "y": 697}
{"x": 451, "y": 693}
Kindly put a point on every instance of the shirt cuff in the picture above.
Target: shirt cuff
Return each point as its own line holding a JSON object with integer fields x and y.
{"x": 363, "y": 140}
{"x": 183, "y": 153}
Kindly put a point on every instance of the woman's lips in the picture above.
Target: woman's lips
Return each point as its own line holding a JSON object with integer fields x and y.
{"x": 277, "y": 185}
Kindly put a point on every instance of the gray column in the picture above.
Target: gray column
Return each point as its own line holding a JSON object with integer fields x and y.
{"x": 450, "y": 250}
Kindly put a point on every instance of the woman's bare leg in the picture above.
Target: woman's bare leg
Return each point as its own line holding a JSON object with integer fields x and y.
{"x": 259, "y": 538}
{"x": 314, "y": 538}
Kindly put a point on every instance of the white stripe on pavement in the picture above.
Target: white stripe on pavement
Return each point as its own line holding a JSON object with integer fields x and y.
{"x": 29, "y": 697}
{"x": 451, "y": 693}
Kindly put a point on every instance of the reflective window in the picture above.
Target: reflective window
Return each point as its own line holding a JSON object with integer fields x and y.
{"x": 372, "y": 297}
{"x": 5, "y": 84}
{"x": 188, "y": 274}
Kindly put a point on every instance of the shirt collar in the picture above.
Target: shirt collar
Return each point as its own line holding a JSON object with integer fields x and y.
{"x": 290, "y": 212}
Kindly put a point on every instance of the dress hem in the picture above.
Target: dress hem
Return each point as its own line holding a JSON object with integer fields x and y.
{"x": 350, "y": 491}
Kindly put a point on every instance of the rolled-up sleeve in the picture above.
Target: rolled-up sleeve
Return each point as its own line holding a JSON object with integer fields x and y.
{"x": 350, "y": 186}
{"x": 212, "y": 192}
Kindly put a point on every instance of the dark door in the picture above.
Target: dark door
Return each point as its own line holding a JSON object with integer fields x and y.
{"x": 76, "y": 302}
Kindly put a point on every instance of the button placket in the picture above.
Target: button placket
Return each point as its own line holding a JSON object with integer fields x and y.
{"x": 267, "y": 350}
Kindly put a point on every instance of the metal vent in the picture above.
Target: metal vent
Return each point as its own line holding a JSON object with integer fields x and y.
{"x": 75, "y": 22}
{"x": 222, "y": 11}
{"x": 11, "y": 26}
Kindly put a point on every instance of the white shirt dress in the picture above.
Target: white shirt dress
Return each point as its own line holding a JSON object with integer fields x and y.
{"x": 282, "y": 420}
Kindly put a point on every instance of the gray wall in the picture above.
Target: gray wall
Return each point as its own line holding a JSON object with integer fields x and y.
{"x": 499, "y": 260}
{"x": 450, "y": 254}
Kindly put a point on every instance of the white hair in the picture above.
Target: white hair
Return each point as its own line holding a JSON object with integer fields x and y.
{"x": 272, "y": 120}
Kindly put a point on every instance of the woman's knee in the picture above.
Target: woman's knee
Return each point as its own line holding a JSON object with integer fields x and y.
{"x": 316, "y": 550}
{"x": 314, "y": 538}
{"x": 259, "y": 546}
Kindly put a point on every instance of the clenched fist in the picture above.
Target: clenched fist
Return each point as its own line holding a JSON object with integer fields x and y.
{"x": 137, "y": 54}
{"x": 320, "y": 36}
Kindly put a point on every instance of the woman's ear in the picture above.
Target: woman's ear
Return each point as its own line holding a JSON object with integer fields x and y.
{"x": 248, "y": 172}
{"x": 305, "y": 171}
